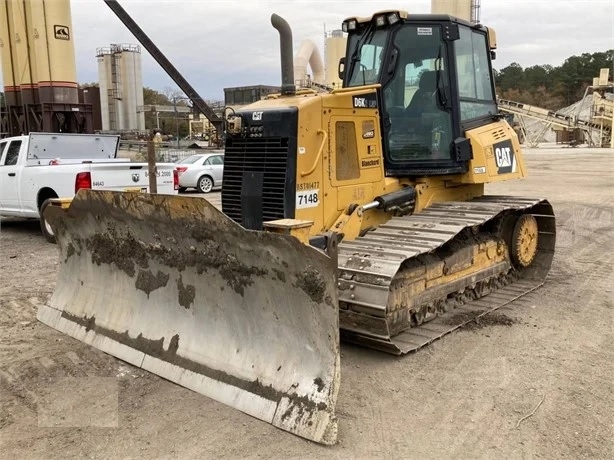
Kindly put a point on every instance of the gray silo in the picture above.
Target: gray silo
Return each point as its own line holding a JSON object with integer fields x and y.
{"x": 121, "y": 87}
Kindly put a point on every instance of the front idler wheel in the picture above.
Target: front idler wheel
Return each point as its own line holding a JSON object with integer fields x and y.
{"x": 524, "y": 241}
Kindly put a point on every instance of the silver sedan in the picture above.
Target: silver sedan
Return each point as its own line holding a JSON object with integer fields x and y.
{"x": 202, "y": 171}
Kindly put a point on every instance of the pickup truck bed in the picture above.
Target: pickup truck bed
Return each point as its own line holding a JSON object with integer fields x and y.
{"x": 39, "y": 167}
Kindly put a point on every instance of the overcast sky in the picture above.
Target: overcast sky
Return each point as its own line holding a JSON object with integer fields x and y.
{"x": 217, "y": 44}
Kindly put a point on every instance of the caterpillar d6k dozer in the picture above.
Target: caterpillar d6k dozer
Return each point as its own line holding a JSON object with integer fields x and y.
{"x": 360, "y": 211}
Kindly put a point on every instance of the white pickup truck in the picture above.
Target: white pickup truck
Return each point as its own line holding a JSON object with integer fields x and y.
{"x": 42, "y": 166}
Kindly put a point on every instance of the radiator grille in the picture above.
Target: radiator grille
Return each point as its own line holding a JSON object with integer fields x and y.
{"x": 267, "y": 155}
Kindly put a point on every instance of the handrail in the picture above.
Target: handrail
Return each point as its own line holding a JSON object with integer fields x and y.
{"x": 317, "y": 160}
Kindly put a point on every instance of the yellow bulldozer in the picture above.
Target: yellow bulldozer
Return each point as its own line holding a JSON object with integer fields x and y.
{"x": 355, "y": 215}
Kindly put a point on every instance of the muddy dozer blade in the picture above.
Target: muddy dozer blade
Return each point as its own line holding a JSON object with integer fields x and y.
{"x": 171, "y": 285}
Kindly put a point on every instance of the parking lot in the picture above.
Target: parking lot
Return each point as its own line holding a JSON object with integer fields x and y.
{"x": 538, "y": 385}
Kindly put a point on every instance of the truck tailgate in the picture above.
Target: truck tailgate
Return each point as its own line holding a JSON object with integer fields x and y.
{"x": 123, "y": 176}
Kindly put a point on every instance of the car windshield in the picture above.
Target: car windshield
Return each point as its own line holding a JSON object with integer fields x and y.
{"x": 190, "y": 160}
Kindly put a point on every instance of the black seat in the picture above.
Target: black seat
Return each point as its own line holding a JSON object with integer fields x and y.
{"x": 423, "y": 100}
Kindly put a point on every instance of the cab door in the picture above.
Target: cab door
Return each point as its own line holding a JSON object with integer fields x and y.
{"x": 9, "y": 176}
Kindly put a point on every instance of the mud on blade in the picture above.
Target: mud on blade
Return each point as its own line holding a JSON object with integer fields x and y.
{"x": 171, "y": 285}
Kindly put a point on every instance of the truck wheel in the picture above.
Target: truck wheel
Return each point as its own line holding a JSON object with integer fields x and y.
{"x": 45, "y": 227}
{"x": 205, "y": 184}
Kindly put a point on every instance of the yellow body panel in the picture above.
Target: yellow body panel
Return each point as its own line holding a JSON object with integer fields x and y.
{"x": 340, "y": 160}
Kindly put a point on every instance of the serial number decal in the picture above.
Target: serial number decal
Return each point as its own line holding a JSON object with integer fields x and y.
{"x": 307, "y": 186}
{"x": 479, "y": 170}
{"x": 307, "y": 199}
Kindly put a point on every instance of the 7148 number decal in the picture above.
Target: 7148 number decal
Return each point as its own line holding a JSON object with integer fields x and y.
{"x": 307, "y": 199}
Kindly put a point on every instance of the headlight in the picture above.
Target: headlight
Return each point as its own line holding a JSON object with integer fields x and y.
{"x": 393, "y": 18}
{"x": 380, "y": 21}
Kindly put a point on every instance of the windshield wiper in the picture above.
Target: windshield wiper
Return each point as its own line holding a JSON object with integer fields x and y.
{"x": 441, "y": 93}
{"x": 368, "y": 34}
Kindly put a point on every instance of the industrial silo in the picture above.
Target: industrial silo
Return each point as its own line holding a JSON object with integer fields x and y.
{"x": 334, "y": 50}
{"x": 132, "y": 87}
{"x": 52, "y": 51}
{"x": 7, "y": 51}
{"x": 121, "y": 87}
{"x": 462, "y": 9}
{"x": 22, "y": 58}
{"x": 108, "y": 92}
{"x": 39, "y": 68}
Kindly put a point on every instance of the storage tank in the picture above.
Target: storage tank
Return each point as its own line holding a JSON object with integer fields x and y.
{"x": 22, "y": 58}
{"x": 7, "y": 55}
{"x": 459, "y": 8}
{"x": 33, "y": 16}
{"x": 55, "y": 51}
{"x": 108, "y": 103}
{"x": 132, "y": 87}
{"x": 121, "y": 87}
{"x": 334, "y": 50}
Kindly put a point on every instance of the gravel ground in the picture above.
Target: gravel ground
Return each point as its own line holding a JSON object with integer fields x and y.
{"x": 463, "y": 397}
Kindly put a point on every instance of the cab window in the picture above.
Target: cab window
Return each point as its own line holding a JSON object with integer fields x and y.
{"x": 12, "y": 153}
{"x": 416, "y": 98}
{"x": 2, "y": 146}
{"x": 475, "y": 84}
{"x": 366, "y": 69}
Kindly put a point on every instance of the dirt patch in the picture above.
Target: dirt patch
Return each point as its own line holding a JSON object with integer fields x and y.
{"x": 312, "y": 283}
{"x": 186, "y": 293}
{"x": 148, "y": 282}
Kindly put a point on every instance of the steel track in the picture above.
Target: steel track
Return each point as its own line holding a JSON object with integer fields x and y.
{"x": 368, "y": 265}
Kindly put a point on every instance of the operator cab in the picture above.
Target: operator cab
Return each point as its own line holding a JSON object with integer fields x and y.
{"x": 436, "y": 82}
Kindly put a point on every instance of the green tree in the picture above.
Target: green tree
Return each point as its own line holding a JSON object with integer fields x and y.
{"x": 552, "y": 87}
{"x": 166, "y": 120}
{"x": 153, "y": 97}
{"x": 510, "y": 77}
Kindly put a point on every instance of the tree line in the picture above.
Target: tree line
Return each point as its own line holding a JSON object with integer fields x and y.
{"x": 552, "y": 87}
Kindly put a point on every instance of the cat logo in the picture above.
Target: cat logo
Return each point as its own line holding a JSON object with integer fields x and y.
{"x": 61, "y": 32}
{"x": 504, "y": 157}
{"x": 257, "y": 116}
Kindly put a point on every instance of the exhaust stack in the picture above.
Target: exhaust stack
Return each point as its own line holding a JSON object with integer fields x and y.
{"x": 285, "y": 46}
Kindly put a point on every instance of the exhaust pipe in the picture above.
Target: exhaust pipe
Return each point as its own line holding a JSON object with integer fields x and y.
{"x": 285, "y": 46}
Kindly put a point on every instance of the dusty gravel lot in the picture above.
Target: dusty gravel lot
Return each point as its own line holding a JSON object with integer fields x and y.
{"x": 461, "y": 398}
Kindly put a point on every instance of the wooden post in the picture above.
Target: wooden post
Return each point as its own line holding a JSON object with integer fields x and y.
{"x": 151, "y": 165}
